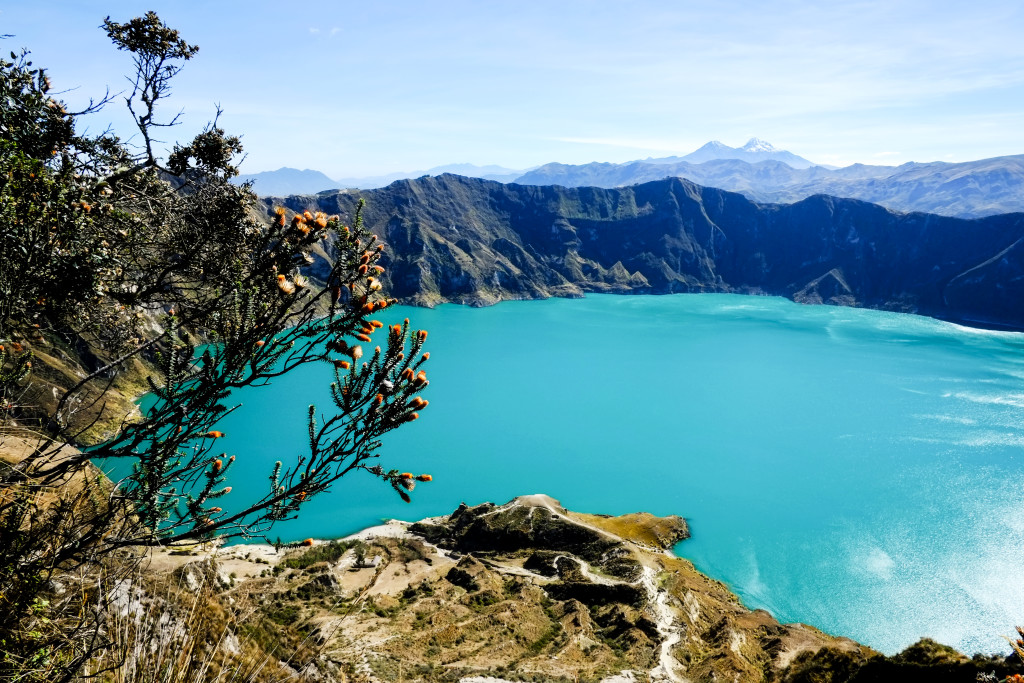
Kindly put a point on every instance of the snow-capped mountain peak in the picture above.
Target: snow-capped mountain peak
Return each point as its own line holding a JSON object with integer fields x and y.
{"x": 755, "y": 151}
{"x": 758, "y": 145}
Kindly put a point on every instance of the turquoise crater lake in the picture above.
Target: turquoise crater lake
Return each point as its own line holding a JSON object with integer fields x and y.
{"x": 856, "y": 470}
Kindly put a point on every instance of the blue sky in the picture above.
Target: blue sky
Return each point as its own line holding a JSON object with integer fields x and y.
{"x": 355, "y": 89}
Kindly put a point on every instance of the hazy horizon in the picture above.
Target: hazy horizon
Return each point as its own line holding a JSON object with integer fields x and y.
{"x": 355, "y": 89}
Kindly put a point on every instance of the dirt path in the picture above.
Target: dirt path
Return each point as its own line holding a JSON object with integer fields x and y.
{"x": 664, "y": 620}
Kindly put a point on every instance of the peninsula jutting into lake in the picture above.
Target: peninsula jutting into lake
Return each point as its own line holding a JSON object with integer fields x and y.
{"x": 604, "y": 394}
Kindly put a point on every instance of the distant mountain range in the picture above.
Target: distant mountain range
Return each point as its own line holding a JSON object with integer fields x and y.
{"x": 465, "y": 240}
{"x": 969, "y": 189}
{"x": 757, "y": 170}
{"x": 288, "y": 181}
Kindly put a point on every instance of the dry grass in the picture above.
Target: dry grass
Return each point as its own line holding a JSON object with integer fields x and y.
{"x": 642, "y": 528}
{"x": 171, "y": 630}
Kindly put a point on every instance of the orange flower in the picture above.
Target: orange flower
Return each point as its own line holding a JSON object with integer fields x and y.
{"x": 216, "y": 510}
{"x": 407, "y": 374}
{"x": 343, "y": 364}
{"x": 367, "y": 308}
{"x": 217, "y": 464}
{"x": 384, "y": 303}
{"x": 419, "y": 404}
{"x": 322, "y": 222}
{"x": 308, "y": 542}
{"x": 297, "y": 219}
{"x": 279, "y": 211}
{"x": 284, "y": 285}
{"x": 395, "y": 329}
{"x": 214, "y": 434}
{"x": 363, "y": 337}
{"x": 412, "y": 416}
{"x": 425, "y": 477}
{"x": 227, "y": 489}
{"x": 307, "y": 215}
{"x": 422, "y": 334}
{"x": 406, "y": 475}
{"x": 378, "y": 399}
{"x": 260, "y": 342}
{"x": 231, "y": 459}
{"x": 426, "y": 356}
{"x": 362, "y": 269}
{"x": 379, "y": 269}
{"x": 366, "y": 329}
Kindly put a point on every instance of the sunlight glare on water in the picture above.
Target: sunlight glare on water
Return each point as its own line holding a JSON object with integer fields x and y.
{"x": 856, "y": 470}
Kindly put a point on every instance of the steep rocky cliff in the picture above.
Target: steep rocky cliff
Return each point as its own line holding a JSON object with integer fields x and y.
{"x": 478, "y": 242}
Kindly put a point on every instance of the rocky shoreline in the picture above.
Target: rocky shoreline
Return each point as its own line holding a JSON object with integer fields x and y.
{"x": 526, "y": 591}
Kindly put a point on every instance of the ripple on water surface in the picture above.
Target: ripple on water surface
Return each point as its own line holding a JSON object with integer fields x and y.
{"x": 856, "y": 470}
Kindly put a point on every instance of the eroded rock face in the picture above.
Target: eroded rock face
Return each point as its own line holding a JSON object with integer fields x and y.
{"x": 607, "y": 580}
{"x": 492, "y": 594}
{"x": 474, "y": 241}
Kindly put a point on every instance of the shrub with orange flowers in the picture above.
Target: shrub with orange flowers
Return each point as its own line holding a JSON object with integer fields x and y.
{"x": 157, "y": 270}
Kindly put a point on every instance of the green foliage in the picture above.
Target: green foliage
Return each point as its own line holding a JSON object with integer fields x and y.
{"x": 284, "y": 615}
{"x": 127, "y": 262}
{"x": 327, "y": 552}
{"x": 546, "y": 639}
{"x": 30, "y": 119}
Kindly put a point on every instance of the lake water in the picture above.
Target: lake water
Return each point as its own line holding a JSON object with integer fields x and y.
{"x": 856, "y": 470}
